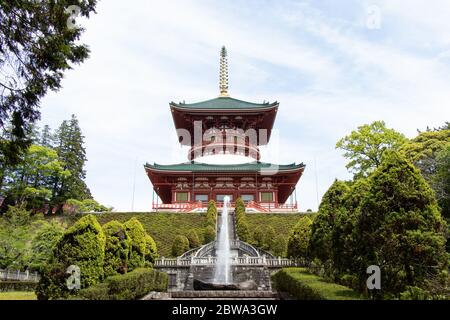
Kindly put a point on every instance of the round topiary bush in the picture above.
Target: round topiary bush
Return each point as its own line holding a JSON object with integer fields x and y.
{"x": 180, "y": 245}
{"x": 193, "y": 238}
{"x": 209, "y": 235}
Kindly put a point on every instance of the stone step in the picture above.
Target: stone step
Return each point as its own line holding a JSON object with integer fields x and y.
{"x": 225, "y": 294}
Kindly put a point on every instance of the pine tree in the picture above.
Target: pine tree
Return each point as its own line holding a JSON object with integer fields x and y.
{"x": 69, "y": 146}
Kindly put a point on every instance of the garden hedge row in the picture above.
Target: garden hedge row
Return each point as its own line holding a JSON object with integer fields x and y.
{"x": 302, "y": 285}
{"x": 6, "y": 286}
{"x": 130, "y": 286}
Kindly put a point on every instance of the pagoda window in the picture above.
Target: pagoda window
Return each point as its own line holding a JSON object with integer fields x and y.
{"x": 248, "y": 197}
{"x": 182, "y": 196}
{"x": 201, "y": 197}
{"x": 266, "y": 196}
{"x": 220, "y": 197}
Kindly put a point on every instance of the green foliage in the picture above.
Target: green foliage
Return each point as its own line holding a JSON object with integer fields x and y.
{"x": 279, "y": 246}
{"x": 209, "y": 234}
{"x": 69, "y": 144}
{"x": 429, "y": 152}
{"x": 211, "y": 214}
{"x": 139, "y": 243}
{"x": 162, "y": 226}
{"x": 180, "y": 245}
{"x": 29, "y": 181}
{"x": 400, "y": 227}
{"x": 243, "y": 231}
{"x": 74, "y": 206}
{"x": 299, "y": 237}
{"x": 365, "y": 146}
{"x": 83, "y": 245}
{"x": 194, "y": 241}
{"x": 10, "y": 286}
{"x": 38, "y": 52}
{"x": 302, "y": 285}
{"x": 321, "y": 233}
{"x": 131, "y": 286}
{"x": 44, "y": 243}
{"x": 21, "y": 245}
{"x": 117, "y": 248}
{"x": 258, "y": 237}
{"x": 269, "y": 238}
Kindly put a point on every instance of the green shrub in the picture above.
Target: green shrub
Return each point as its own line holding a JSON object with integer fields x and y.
{"x": 138, "y": 243}
{"x": 52, "y": 284}
{"x": 299, "y": 237}
{"x": 211, "y": 214}
{"x": 131, "y": 286}
{"x": 209, "y": 235}
{"x": 269, "y": 238}
{"x": 7, "y": 286}
{"x": 194, "y": 241}
{"x": 151, "y": 252}
{"x": 117, "y": 248}
{"x": 279, "y": 246}
{"x": 243, "y": 231}
{"x": 305, "y": 286}
{"x": 258, "y": 237}
{"x": 180, "y": 245}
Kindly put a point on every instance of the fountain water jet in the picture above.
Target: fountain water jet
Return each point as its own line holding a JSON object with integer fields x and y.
{"x": 223, "y": 253}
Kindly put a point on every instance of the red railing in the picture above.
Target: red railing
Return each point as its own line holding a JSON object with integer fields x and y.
{"x": 189, "y": 206}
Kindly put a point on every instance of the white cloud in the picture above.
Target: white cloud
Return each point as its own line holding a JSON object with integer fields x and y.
{"x": 329, "y": 73}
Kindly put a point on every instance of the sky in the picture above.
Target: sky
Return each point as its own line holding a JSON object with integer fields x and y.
{"x": 332, "y": 65}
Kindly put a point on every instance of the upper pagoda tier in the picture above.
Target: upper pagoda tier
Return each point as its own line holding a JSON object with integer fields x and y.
{"x": 224, "y": 125}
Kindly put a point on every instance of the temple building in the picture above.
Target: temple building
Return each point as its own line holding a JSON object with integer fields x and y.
{"x": 224, "y": 135}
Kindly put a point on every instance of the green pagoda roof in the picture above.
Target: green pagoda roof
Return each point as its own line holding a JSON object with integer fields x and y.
{"x": 224, "y": 103}
{"x": 202, "y": 167}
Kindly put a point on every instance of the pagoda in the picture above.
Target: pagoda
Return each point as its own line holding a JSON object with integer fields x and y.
{"x": 224, "y": 135}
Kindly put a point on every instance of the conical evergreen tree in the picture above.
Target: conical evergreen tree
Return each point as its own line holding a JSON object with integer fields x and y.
{"x": 69, "y": 145}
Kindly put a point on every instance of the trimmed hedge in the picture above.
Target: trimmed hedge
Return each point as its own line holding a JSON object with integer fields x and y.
{"x": 303, "y": 285}
{"x": 6, "y": 286}
{"x": 131, "y": 286}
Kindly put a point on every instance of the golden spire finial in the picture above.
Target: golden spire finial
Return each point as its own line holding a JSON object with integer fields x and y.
{"x": 223, "y": 73}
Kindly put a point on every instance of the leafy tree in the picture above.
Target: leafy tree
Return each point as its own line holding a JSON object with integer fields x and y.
{"x": 424, "y": 152}
{"x": 441, "y": 181}
{"x": 400, "y": 227}
{"x": 29, "y": 181}
{"x": 88, "y": 205}
{"x": 299, "y": 237}
{"x": 365, "y": 146}
{"x": 180, "y": 245}
{"x": 37, "y": 45}
{"x": 322, "y": 227}
{"x": 117, "y": 248}
{"x": 194, "y": 241}
{"x": 44, "y": 243}
{"x": 209, "y": 235}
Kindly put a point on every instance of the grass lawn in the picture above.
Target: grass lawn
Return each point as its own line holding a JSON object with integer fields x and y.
{"x": 282, "y": 223}
{"x": 18, "y": 295}
{"x": 306, "y": 286}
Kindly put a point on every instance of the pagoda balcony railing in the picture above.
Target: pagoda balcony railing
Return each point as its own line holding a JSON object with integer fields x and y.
{"x": 260, "y": 206}
{"x": 246, "y": 150}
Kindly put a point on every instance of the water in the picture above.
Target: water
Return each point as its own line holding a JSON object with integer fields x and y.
{"x": 222, "y": 273}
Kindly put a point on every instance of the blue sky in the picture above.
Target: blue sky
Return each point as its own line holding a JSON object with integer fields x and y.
{"x": 324, "y": 61}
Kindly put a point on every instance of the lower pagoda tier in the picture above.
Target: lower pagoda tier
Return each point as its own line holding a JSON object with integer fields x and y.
{"x": 189, "y": 186}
